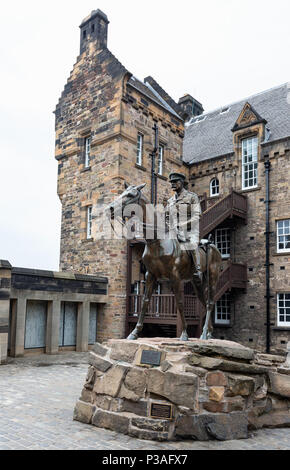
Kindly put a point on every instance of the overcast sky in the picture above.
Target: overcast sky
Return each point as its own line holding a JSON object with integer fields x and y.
{"x": 219, "y": 51}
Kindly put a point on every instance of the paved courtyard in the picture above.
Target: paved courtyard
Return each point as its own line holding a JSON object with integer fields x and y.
{"x": 37, "y": 398}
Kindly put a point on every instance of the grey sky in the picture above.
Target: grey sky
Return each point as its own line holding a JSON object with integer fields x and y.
{"x": 219, "y": 51}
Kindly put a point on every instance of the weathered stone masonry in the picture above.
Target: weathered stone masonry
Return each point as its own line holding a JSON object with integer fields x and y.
{"x": 101, "y": 100}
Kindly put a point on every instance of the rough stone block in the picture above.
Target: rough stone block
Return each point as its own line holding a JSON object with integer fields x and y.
{"x": 279, "y": 384}
{"x": 134, "y": 385}
{"x": 109, "y": 420}
{"x": 240, "y": 385}
{"x": 216, "y": 379}
{"x": 103, "y": 402}
{"x": 151, "y": 424}
{"x": 165, "y": 366}
{"x": 283, "y": 370}
{"x": 279, "y": 404}
{"x": 222, "y": 348}
{"x": 139, "y": 408}
{"x": 205, "y": 427}
{"x": 217, "y": 394}
{"x": 275, "y": 419}
{"x": 196, "y": 371}
{"x": 110, "y": 383}
{"x": 90, "y": 379}
{"x": 228, "y": 405}
{"x": 124, "y": 351}
{"x": 272, "y": 358}
{"x": 148, "y": 435}
{"x": 180, "y": 389}
{"x": 212, "y": 363}
{"x": 100, "y": 350}
{"x": 86, "y": 396}
{"x": 214, "y": 407}
{"x": 83, "y": 412}
{"x": 99, "y": 363}
{"x": 234, "y": 404}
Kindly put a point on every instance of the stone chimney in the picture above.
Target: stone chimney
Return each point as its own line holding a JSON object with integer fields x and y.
{"x": 190, "y": 106}
{"x": 94, "y": 28}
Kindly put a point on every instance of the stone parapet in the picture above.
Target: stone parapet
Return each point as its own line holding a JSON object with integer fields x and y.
{"x": 165, "y": 389}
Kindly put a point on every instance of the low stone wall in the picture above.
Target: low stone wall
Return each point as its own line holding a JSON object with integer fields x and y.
{"x": 198, "y": 390}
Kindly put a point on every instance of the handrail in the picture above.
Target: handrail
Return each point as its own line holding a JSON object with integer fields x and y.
{"x": 233, "y": 204}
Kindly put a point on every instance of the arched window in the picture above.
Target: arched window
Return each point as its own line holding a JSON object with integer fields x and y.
{"x": 214, "y": 187}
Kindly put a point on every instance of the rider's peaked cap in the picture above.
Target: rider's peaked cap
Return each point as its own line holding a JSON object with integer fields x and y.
{"x": 177, "y": 177}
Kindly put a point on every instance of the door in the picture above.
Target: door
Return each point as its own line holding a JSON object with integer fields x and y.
{"x": 35, "y": 324}
{"x": 68, "y": 324}
{"x": 93, "y": 323}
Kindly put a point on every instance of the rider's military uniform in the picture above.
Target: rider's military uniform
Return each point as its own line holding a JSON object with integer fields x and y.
{"x": 187, "y": 228}
{"x": 183, "y": 214}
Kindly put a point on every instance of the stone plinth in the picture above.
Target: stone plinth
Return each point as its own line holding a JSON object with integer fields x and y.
{"x": 197, "y": 390}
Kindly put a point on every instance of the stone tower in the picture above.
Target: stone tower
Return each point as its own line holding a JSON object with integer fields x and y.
{"x": 100, "y": 116}
{"x": 94, "y": 28}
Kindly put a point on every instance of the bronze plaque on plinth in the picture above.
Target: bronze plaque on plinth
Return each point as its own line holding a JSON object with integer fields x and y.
{"x": 152, "y": 358}
{"x": 160, "y": 411}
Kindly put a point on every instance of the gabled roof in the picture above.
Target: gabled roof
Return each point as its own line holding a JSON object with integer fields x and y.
{"x": 248, "y": 117}
{"x": 210, "y": 135}
{"x": 150, "y": 91}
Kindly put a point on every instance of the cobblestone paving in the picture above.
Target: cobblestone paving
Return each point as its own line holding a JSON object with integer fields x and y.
{"x": 37, "y": 398}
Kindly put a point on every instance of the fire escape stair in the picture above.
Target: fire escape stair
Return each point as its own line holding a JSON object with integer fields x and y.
{"x": 234, "y": 276}
{"x": 233, "y": 205}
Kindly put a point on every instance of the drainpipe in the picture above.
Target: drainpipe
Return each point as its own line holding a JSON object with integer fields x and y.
{"x": 153, "y": 174}
{"x": 268, "y": 264}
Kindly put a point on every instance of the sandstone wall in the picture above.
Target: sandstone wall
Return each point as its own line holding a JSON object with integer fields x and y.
{"x": 249, "y": 242}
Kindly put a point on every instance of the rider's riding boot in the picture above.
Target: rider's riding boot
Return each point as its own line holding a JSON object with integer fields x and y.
{"x": 197, "y": 275}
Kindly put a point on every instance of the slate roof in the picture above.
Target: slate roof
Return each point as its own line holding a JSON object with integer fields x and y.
{"x": 148, "y": 90}
{"x": 210, "y": 135}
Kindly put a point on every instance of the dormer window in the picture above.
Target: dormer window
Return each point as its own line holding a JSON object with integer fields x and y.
{"x": 214, "y": 187}
{"x": 250, "y": 163}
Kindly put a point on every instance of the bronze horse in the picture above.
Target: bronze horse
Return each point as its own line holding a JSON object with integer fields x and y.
{"x": 165, "y": 259}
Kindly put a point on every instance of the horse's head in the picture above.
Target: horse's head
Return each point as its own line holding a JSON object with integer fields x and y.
{"x": 131, "y": 195}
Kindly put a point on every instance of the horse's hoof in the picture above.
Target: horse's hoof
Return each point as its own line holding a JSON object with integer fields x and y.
{"x": 184, "y": 336}
{"x": 133, "y": 336}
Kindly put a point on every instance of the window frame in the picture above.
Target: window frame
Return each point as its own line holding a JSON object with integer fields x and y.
{"x": 139, "y": 156}
{"x": 228, "y": 321}
{"x": 282, "y": 250}
{"x": 160, "y": 160}
{"x": 214, "y": 187}
{"x": 87, "y": 146}
{"x": 228, "y": 242}
{"x": 254, "y": 162}
{"x": 89, "y": 222}
{"x": 281, "y": 323}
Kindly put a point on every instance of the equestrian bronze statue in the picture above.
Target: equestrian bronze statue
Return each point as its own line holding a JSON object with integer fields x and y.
{"x": 165, "y": 257}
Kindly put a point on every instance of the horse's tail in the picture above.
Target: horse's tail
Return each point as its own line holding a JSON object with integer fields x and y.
{"x": 217, "y": 255}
